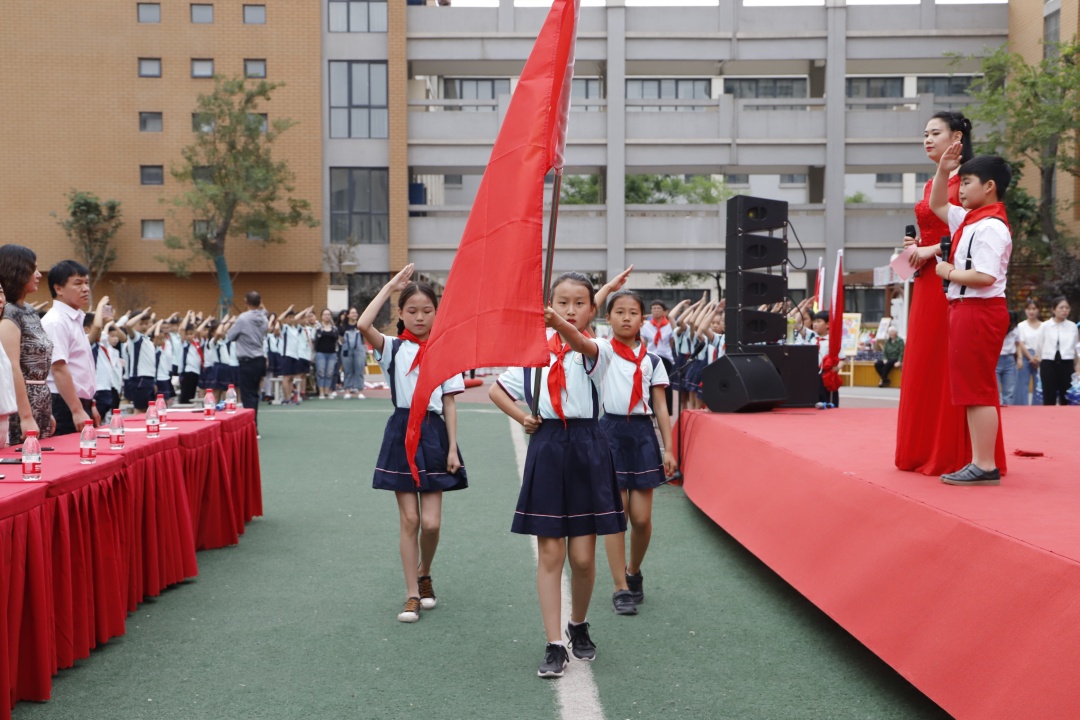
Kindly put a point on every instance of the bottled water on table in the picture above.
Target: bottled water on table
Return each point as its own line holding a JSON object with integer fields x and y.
{"x": 153, "y": 422}
{"x": 31, "y": 456}
{"x": 209, "y": 406}
{"x": 88, "y": 444}
{"x": 162, "y": 408}
{"x": 116, "y": 431}
{"x": 230, "y": 400}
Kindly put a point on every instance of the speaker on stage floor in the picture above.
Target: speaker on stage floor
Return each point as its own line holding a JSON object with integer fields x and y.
{"x": 742, "y": 382}
{"x": 797, "y": 365}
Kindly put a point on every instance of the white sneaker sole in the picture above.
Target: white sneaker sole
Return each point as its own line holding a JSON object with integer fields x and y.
{"x": 541, "y": 673}
{"x": 408, "y": 617}
{"x": 427, "y": 603}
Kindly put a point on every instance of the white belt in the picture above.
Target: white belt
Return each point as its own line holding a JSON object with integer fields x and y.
{"x": 34, "y": 382}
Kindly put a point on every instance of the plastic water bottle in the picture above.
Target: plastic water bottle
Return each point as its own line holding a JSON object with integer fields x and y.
{"x": 209, "y": 407}
{"x": 153, "y": 422}
{"x": 116, "y": 431}
{"x": 88, "y": 444}
{"x": 230, "y": 400}
{"x": 162, "y": 408}
{"x": 31, "y": 456}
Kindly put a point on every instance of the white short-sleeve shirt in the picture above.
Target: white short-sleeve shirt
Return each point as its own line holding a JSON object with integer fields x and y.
{"x": 990, "y": 253}
{"x": 619, "y": 383}
{"x": 64, "y": 326}
{"x": 404, "y": 381}
{"x": 145, "y": 356}
{"x": 8, "y": 404}
{"x": 584, "y": 394}
{"x": 649, "y": 334}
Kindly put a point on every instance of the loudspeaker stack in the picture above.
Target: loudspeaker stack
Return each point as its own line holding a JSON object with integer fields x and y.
{"x": 756, "y": 270}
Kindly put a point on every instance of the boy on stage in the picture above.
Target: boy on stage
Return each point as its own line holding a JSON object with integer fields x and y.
{"x": 978, "y": 315}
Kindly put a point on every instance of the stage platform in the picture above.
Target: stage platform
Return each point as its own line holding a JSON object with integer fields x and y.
{"x": 972, "y": 594}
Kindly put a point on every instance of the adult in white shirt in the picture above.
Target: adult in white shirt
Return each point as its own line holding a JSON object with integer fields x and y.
{"x": 1028, "y": 369}
{"x": 72, "y": 377}
{"x": 8, "y": 404}
{"x": 1056, "y": 343}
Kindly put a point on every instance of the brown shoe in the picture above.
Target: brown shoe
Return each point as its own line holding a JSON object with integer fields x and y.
{"x": 427, "y": 593}
{"x": 410, "y": 611}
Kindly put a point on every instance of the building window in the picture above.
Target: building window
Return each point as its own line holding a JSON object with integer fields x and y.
{"x": 263, "y": 119}
{"x": 256, "y": 231}
{"x": 586, "y": 89}
{"x": 667, "y": 88}
{"x": 475, "y": 89}
{"x": 945, "y": 86}
{"x": 454, "y": 181}
{"x": 203, "y": 174}
{"x": 203, "y": 229}
{"x": 255, "y": 68}
{"x": 149, "y": 122}
{"x": 743, "y": 88}
{"x": 149, "y": 67}
{"x": 153, "y": 229}
{"x": 922, "y": 178}
{"x": 358, "y": 100}
{"x": 202, "y": 14}
{"x": 254, "y": 14}
{"x": 202, "y": 122}
{"x": 354, "y": 16}
{"x": 793, "y": 179}
{"x": 359, "y": 205}
{"x": 874, "y": 87}
{"x": 151, "y": 175}
{"x": 737, "y": 180}
{"x": 1051, "y": 34}
{"x": 889, "y": 179}
{"x": 202, "y": 68}
{"x": 149, "y": 12}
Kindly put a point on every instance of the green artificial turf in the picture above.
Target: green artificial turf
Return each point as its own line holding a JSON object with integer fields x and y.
{"x": 298, "y": 620}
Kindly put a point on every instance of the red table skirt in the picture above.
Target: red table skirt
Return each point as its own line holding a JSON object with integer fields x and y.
{"x": 242, "y": 451}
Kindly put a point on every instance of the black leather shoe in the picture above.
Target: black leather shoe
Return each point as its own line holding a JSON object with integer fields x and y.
{"x": 972, "y": 475}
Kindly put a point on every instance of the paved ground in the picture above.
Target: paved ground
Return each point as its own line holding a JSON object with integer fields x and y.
{"x": 298, "y": 620}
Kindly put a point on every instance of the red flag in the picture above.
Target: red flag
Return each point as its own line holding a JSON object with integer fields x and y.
{"x": 491, "y": 313}
{"x": 836, "y": 327}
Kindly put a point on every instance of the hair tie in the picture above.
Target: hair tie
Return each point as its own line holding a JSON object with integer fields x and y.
{"x": 966, "y": 125}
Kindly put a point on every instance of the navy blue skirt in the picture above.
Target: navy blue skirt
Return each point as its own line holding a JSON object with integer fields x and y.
{"x": 290, "y": 366}
{"x": 569, "y": 488}
{"x": 164, "y": 387}
{"x": 392, "y": 468}
{"x": 273, "y": 364}
{"x": 678, "y": 377}
{"x": 224, "y": 376}
{"x": 207, "y": 377}
{"x": 639, "y": 465}
{"x": 694, "y": 369}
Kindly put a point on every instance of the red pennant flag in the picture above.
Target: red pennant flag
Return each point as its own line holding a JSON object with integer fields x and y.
{"x": 491, "y": 313}
{"x": 836, "y": 327}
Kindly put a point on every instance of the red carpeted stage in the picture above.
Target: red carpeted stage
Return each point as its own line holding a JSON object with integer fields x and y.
{"x": 972, "y": 594}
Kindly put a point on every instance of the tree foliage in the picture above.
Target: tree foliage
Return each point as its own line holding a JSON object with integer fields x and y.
{"x": 91, "y": 224}
{"x": 233, "y": 185}
{"x": 648, "y": 190}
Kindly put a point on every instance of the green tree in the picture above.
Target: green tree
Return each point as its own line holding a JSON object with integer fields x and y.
{"x": 233, "y": 184}
{"x": 647, "y": 190}
{"x": 580, "y": 190}
{"x": 91, "y": 224}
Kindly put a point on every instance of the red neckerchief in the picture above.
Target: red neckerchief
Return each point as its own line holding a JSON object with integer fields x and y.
{"x": 556, "y": 380}
{"x": 198, "y": 348}
{"x": 658, "y": 325}
{"x": 637, "y": 393}
{"x": 105, "y": 350}
{"x": 996, "y": 210}
{"x": 407, "y": 335}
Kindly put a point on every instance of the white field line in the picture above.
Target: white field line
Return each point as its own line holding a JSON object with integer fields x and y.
{"x": 577, "y": 694}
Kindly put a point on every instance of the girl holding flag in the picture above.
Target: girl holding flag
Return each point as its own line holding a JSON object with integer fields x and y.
{"x": 569, "y": 494}
{"x": 438, "y": 460}
{"x": 633, "y": 392}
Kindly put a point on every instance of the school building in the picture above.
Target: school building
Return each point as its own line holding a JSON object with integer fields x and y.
{"x": 399, "y": 102}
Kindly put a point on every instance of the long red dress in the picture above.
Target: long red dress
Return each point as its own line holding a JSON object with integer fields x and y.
{"x": 931, "y": 433}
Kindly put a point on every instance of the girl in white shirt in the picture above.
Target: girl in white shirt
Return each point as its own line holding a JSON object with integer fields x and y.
{"x": 1056, "y": 342}
{"x": 1028, "y": 370}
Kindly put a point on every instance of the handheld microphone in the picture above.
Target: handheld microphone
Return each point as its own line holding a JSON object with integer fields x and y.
{"x": 909, "y": 231}
{"x": 946, "y": 249}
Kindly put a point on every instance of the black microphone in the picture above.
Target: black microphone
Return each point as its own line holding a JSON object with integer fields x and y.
{"x": 946, "y": 248}
{"x": 909, "y": 231}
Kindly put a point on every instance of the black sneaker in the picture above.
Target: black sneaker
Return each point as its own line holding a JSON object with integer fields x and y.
{"x": 623, "y": 603}
{"x": 636, "y": 583}
{"x": 580, "y": 642}
{"x": 971, "y": 474}
{"x": 555, "y": 661}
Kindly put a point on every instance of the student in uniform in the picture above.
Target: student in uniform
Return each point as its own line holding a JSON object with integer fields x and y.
{"x": 107, "y": 379}
{"x": 978, "y": 314}
{"x": 272, "y": 347}
{"x": 656, "y": 333}
{"x": 208, "y": 372}
{"x": 569, "y": 493}
{"x": 191, "y": 360}
{"x": 633, "y": 387}
{"x": 698, "y": 352}
{"x": 163, "y": 362}
{"x": 226, "y": 366}
{"x": 140, "y": 385}
{"x": 826, "y": 397}
{"x": 438, "y": 458}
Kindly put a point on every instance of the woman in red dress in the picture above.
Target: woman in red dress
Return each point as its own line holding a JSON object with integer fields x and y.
{"x": 931, "y": 432}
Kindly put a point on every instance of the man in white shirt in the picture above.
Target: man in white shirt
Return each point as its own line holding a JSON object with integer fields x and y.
{"x": 73, "y": 376}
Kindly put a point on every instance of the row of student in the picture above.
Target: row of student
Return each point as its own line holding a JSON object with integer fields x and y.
{"x": 296, "y": 343}
{"x": 584, "y": 474}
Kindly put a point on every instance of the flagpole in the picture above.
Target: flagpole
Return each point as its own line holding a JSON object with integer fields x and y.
{"x": 556, "y": 191}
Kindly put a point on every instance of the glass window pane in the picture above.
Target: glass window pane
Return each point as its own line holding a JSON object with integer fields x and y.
{"x": 339, "y": 123}
{"x": 255, "y": 68}
{"x": 339, "y": 84}
{"x": 502, "y": 87}
{"x": 380, "y": 123}
{"x": 358, "y": 17}
{"x": 468, "y": 89}
{"x": 377, "y": 17}
{"x": 361, "y": 199}
{"x": 339, "y": 189}
{"x": 152, "y": 175}
{"x": 149, "y": 12}
{"x": 361, "y": 228}
{"x": 339, "y": 228}
{"x": 667, "y": 89}
{"x": 380, "y": 191}
{"x": 378, "y": 85}
{"x": 380, "y": 229}
{"x": 149, "y": 67}
{"x": 149, "y": 122}
{"x": 361, "y": 88}
{"x": 202, "y": 13}
{"x": 202, "y": 68}
{"x": 339, "y": 17}
{"x": 255, "y": 14}
{"x": 358, "y": 126}
{"x": 153, "y": 229}
{"x": 650, "y": 89}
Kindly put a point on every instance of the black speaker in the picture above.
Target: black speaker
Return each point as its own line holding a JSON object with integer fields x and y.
{"x": 753, "y": 327}
{"x": 746, "y": 214}
{"x": 747, "y": 252}
{"x": 756, "y": 289}
{"x": 742, "y": 383}
{"x": 798, "y": 368}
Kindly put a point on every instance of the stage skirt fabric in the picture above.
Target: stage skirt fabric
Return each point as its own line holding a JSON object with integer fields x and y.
{"x": 635, "y": 451}
{"x": 392, "y": 468}
{"x": 569, "y": 488}
{"x": 977, "y": 327}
